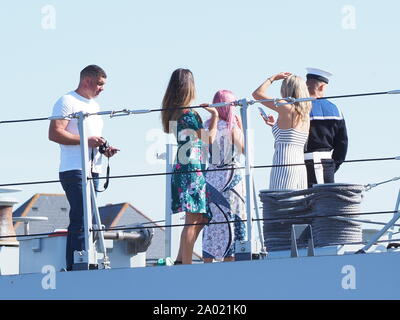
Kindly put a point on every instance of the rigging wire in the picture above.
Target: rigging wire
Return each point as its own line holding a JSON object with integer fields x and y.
{"x": 277, "y": 220}
{"x": 123, "y": 112}
{"x": 23, "y": 120}
{"x": 370, "y": 186}
{"x": 253, "y": 220}
{"x": 28, "y": 183}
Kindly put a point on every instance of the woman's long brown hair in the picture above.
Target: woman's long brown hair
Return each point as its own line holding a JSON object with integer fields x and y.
{"x": 180, "y": 93}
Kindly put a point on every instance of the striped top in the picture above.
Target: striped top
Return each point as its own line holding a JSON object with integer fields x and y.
{"x": 291, "y": 136}
{"x": 289, "y": 149}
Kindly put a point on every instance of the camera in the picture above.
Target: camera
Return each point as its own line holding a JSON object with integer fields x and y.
{"x": 103, "y": 147}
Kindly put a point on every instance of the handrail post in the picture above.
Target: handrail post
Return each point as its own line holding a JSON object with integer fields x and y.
{"x": 100, "y": 233}
{"x": 168, "y": 216}
{"x": 389, "y": 225}
{"x": 88, "y": 256}
{"x": 243, "y": 249}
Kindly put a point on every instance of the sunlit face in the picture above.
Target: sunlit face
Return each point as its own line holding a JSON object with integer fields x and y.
{"x": 95, "y": 86}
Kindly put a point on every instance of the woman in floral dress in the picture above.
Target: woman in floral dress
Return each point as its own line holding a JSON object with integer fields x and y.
{"x": 188, "y": 185}
{"x": 218, "y": 238}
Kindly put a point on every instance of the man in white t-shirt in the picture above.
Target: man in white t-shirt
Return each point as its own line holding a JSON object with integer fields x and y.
{"x": 65, "y": 132}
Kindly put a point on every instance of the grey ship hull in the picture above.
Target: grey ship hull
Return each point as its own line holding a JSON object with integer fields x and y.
{"x": 350, "y": 276}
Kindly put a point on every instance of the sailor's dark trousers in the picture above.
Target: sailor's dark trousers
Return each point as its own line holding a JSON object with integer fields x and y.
{"x": 328, "y": 166}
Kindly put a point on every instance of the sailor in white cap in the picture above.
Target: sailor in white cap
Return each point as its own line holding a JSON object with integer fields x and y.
{"x": 318, "y": 74}
{"x": 327, "y": 141}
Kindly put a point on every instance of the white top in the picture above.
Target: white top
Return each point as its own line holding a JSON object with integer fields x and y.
{"x": 223, "y": 151}
{"x": 70, "y": 155}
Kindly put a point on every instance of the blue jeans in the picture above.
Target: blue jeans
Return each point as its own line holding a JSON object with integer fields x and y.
{"x": 71, "y": 182}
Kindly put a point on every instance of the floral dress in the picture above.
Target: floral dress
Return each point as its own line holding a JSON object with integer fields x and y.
{"x": 227, "y": 198}
{"x": 189, "y": 188}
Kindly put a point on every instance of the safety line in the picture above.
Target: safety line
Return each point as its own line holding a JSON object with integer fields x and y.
{"x": 23, "y": 120}
{"x": 365, "y": 221}
{"x": 194, "y": 224}
{"x": 244, "y": 220}
{"x": 196, "y": 171}
{"x": 289, "y": 100}
{"x": 237, "y": 168}
{"x": 360, "y": 95}
{"x": 28, "y": 183}
{"x": 362, "y": 242}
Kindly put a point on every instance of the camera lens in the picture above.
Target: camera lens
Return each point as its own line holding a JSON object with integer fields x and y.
{"x": 103, "y": 147}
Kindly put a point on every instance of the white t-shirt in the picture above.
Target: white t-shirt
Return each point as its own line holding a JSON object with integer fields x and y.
{"x": 70, "y": 155}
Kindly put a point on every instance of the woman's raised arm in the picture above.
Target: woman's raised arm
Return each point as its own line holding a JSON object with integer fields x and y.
{"x": 208, "y": 136}
{"x": 260, "y": 92}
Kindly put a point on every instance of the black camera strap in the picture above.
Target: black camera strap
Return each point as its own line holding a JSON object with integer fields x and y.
{"x": 108, "y": 172}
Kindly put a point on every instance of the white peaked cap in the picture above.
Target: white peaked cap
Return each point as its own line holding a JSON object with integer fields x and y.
{"x": 318, "y": 74}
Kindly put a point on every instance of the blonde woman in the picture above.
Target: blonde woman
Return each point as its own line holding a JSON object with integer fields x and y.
{"x": 290, "y": 131}
{"x": 188, "y": 184}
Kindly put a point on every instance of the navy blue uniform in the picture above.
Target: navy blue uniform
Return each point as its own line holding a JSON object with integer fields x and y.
{"x": 327, "y": 133}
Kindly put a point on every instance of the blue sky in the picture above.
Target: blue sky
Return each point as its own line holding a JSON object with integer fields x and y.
{"x": 231, "y": 45}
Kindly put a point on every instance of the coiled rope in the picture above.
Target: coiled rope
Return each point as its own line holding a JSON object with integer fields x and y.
{"x": 324, "y": 203}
